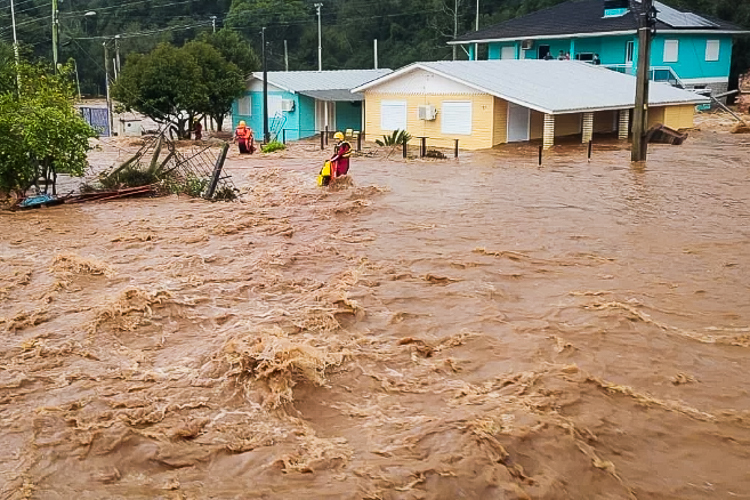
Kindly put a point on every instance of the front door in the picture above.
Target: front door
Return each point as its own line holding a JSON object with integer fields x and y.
{"x": 519, "y": 119}
{"x": 543, "y": 51}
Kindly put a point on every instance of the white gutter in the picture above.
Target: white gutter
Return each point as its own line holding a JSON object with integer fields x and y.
{"x": 594, "y": 35}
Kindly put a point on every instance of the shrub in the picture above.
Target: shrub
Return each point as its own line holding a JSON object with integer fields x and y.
{"x": 273, "y": 146}
{"x": 396, "y": 138}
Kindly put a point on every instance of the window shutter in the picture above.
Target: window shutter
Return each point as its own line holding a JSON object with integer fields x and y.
{"x": 671, "y": 50}
{"x": 393, "y": 115}
{"x": 456, "y": 118}
{"x": 712, "y": 50}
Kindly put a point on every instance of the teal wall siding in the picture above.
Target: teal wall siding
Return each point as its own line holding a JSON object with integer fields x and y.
{"x": 348, "y": 116}
{"x": 306, "y": 117}
{"x": 300, "y": 122}
{"x": 691, "y": 59}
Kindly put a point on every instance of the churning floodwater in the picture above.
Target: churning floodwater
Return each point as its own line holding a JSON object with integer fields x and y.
{"x": 482, "y": 328}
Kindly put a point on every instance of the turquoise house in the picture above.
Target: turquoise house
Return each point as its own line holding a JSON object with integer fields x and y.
{"x": 688, "y": 51}
{"x": 304, "y": 103}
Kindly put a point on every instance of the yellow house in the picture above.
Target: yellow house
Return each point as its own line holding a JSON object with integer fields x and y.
{"x": 485, "y": 103}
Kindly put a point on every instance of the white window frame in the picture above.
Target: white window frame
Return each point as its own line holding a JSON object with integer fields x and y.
{"x": 391, "y": 123}
{"x": 245, "y": 104}
{"x": 713, "y": 50}
{"x": 671, "y": 51}
{"x": 629, "y": 52}
{"x": 448, "y": 127}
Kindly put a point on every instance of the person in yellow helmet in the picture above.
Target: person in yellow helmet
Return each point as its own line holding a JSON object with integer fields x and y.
{"x": 341, "y": 154}
{"x": 243, "y": 136}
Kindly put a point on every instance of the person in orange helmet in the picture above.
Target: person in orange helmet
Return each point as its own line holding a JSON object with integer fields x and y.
{"x": 340, "y": 160}
{"x": 243, "y": 136}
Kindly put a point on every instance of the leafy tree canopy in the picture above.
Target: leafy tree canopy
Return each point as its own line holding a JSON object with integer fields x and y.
{"x": 173, "y": 86}
{"x": 41, "y": 133}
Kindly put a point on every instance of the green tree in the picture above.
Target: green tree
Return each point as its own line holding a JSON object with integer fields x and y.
{"x": 166, "y": 85}
{"x": 174, "y": 86}
{"x": 223, "y": 81}
{"x": 41, "y": 134}
{"x": 234, "y": 49}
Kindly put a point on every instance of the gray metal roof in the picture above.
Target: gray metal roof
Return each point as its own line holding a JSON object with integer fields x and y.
{"x": 323, "y": 85}
{"x": 553, "y": 87}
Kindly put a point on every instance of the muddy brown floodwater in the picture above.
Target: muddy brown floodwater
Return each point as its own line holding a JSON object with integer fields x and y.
{"x": 480, "y": 329}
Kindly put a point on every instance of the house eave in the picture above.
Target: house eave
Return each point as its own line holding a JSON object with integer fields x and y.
{"x": 597, "y": 34}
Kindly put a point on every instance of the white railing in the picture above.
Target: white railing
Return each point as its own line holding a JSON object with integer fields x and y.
{"x": 656, "y": 73}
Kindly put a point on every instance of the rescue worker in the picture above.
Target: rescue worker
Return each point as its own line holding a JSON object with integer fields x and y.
{"x": 244, "y": 138}
{"x": 341, "y": 154}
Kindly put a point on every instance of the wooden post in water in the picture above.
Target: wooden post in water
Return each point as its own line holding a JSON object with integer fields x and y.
{"x": 217, "y": 172}
{"x": 591, "y": 144}
{"x": 403, "y": 144}
{"x": 455, "y": 151}
{"x": 541, "y": 152}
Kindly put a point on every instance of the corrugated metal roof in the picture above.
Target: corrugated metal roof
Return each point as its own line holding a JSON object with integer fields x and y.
{"x": 554, "y": 87}
{"x": 334, "y": 84}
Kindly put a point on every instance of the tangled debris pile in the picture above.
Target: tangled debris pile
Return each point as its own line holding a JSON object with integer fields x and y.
{"x": 160, "y": 168}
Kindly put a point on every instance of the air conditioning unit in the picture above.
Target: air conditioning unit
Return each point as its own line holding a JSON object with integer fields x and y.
{"x": 287, "y": 105}
{"x": 527, "y": 44}
{"x": 426, "y": 112}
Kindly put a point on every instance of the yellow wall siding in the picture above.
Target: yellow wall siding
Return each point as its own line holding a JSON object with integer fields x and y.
{"x": 568, "y": 124}
{"x": 500, "y": 125}
{"x": 482, "y": 119}
{"x": 605, "y": 121}
{"x": 679, "y": 117}
{"x": 536, "y": 129}
{"x": 655, "y": 115}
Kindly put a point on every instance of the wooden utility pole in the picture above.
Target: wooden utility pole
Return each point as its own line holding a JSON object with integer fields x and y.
{"x": 266, "y": 132}
{"x": 646, "y": 21}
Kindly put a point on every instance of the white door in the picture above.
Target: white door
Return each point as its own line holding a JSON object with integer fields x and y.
{"x": 508, "y": 53}
{"x": 519, "y": 120}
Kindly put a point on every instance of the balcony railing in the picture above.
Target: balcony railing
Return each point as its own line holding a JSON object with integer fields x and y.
{"x": 663, "y": 74}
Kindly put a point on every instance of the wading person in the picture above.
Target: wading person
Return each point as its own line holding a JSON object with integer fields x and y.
{"x": 341, "y": 154}
{"x": 243, "y": 136}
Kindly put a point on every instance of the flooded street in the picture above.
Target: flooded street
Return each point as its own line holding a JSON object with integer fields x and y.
{"x": 481, "y": 328}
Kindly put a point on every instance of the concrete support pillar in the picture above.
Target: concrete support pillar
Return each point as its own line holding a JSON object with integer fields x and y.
{"x": 549, "y": 131}
{"x": 623, "y": 130}
{"x": 588, "y": 127}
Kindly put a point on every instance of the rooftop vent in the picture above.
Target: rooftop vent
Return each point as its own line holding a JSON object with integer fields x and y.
{"x": 616, "y": 8}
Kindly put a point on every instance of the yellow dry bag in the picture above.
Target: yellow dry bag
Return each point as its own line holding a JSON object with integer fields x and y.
{"x": 324, "y": 178}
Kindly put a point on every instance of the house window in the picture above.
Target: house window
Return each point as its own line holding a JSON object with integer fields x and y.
{"x": 455, "y": 118}
{"x": 585, "y": 56}
{"x": 671, "y": 50}
{"x": 245, "y": 106}
{"x": 629, "y": 52}
{"x": 712, "y": 50}
{"x": 543, "y": 51}
{"x": 508, "y": 53}
{"x": 393, "y": 115}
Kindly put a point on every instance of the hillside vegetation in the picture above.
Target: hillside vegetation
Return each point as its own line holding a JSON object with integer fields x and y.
{"x": 407, "y": 30}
